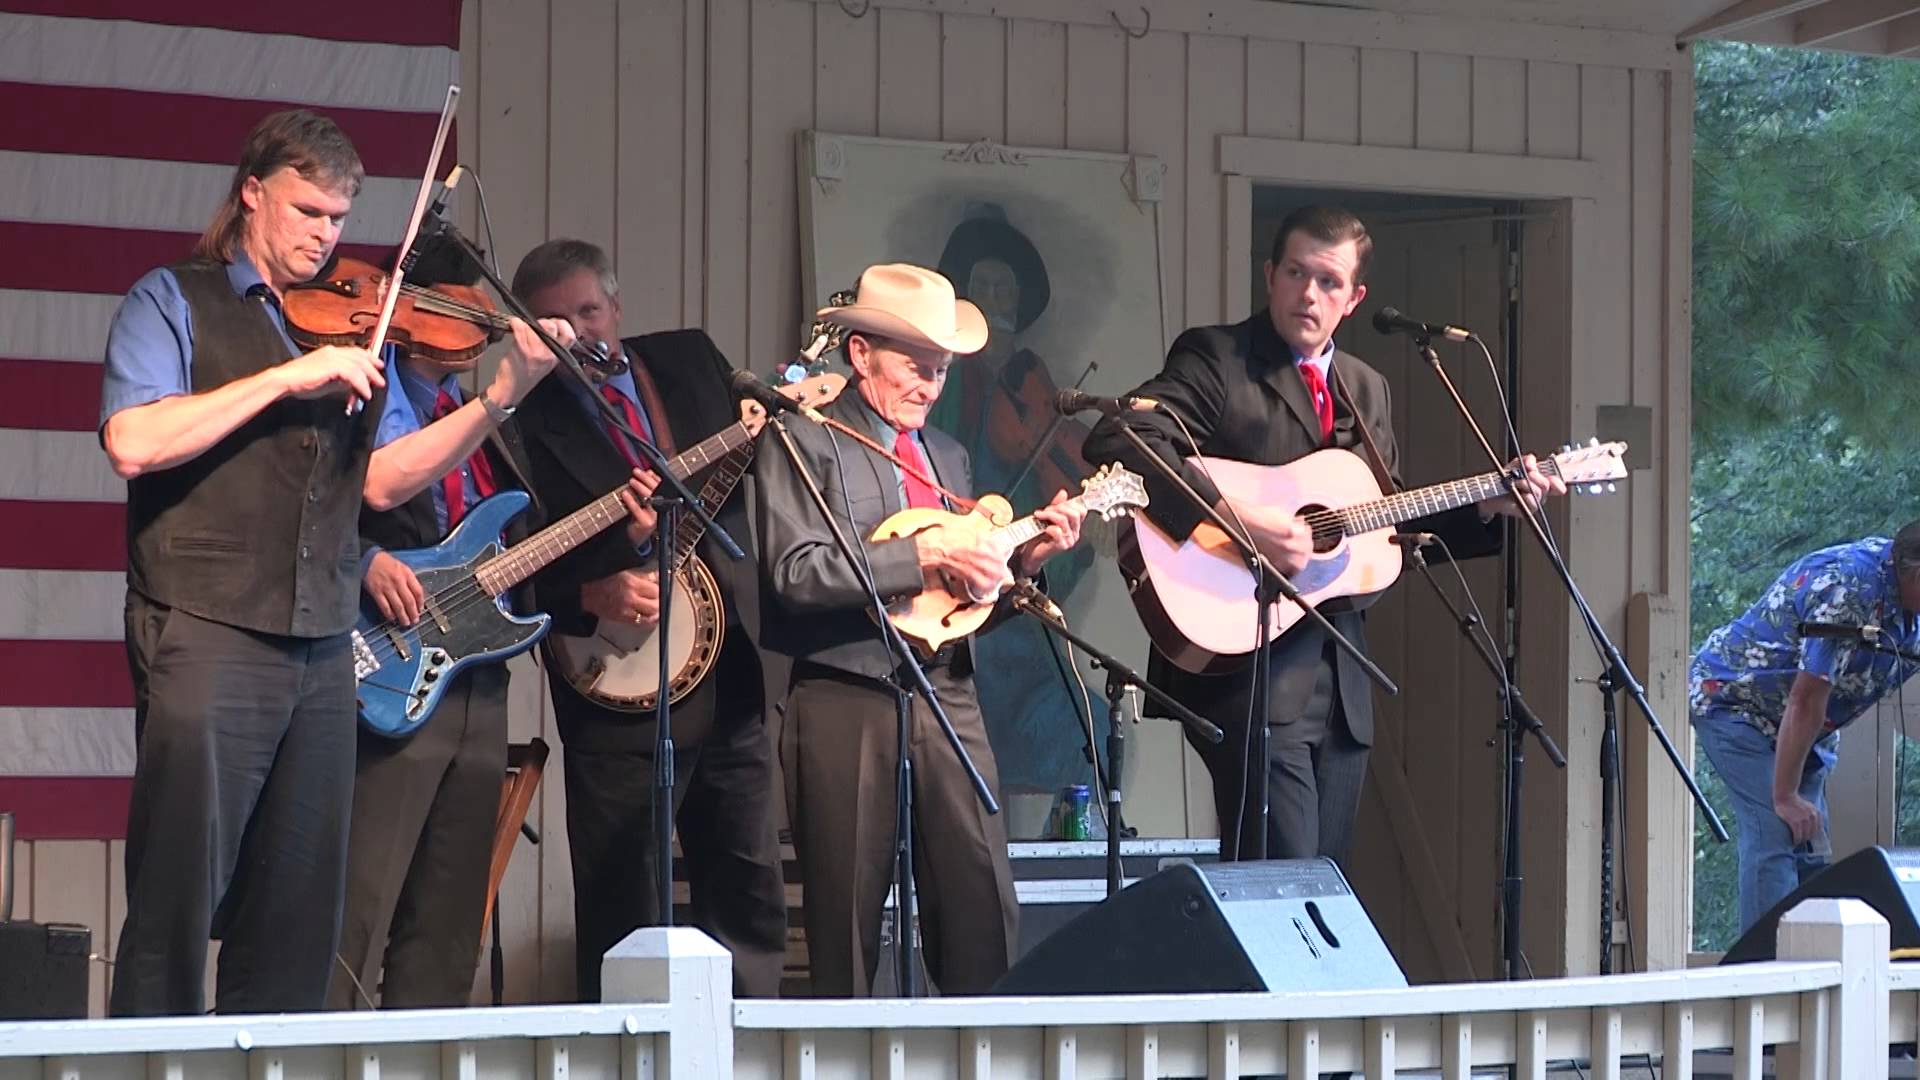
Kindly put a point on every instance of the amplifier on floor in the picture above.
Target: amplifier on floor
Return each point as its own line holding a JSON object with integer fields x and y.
{"x": 1888, "y": 879}
{"x": 43, "y": 971}
{"x": 1253, "y": 926}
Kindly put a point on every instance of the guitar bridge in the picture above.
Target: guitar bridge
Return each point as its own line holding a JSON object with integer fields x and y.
{"x": 439, "y": 616}
{"x": 363, "y": 662}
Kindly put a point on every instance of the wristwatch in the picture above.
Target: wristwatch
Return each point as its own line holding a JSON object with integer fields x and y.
{"x": 494, "y": 412}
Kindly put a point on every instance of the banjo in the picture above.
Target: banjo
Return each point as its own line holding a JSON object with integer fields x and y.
{"x": 618, "y": 666}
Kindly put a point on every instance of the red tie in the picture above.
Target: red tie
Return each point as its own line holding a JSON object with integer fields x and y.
{"x": 1322, "y": 400}
{"x": 452, "y": 485}
{"x": 920, "y": 494}
{"x": 631, "y": 415}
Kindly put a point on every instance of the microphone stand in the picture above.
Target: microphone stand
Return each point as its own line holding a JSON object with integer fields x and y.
{"x": 668, "y": 506}
{"x": 1615, "y": 675}
{"x": 1029, "y": 600}
{"x": 1269, "y": 585}
{"x": 908, "y": 676}
{"x": 1513, "y": 708}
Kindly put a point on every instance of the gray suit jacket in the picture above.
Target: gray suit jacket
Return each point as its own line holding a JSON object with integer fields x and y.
{"x": 813, "y": 605}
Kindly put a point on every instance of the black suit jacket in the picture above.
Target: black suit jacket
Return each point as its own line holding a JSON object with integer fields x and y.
{"x": 1239, "y": 392}
{"x": 816, "y": 609}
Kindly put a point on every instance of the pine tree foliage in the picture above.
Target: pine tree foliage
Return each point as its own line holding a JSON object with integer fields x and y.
{"x": 1806, "y": 244}
{"x": 1806, "y": 340}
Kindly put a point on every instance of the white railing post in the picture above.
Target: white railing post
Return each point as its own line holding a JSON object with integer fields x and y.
{"x": 1851, "y": 933}
{"x": 690, "y": 972}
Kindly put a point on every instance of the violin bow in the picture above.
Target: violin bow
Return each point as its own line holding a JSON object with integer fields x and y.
{"x": 402, "y": 260}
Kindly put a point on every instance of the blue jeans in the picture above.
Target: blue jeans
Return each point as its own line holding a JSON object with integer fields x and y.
{"x": 1771, "y": 865}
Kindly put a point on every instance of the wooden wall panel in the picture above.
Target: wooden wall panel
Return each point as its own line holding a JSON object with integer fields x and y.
{"x": 973, "y": 78}
{"x": 1387, "y": 97}
{"x": 1216, "y": 98}
{"x": 1275, "y": 88}
{"x": 1036, "y": 99}
{"x": 1331, "y": 98}
{"x": 1499, "y": 106}
{"x": 650, "y": 122}
{"x": 782, "y": 92}
{"x": 1444, "y": 106}
{"x": 1096, "y": 89}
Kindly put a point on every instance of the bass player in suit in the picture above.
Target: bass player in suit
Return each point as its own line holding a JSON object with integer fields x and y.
{"x": 1269, "y": 390}
{"x": 421, "y": 840}
{"x": 840, "y": 744}
{"x": 674, "y": 392}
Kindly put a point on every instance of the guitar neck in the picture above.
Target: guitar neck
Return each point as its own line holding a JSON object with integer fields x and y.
{"x": 529, "y": 557}
{"x": 1405, "y": 506}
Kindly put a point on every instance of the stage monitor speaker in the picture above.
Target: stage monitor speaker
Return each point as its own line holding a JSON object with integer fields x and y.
{"x": 43, "y": 971}
{"x": 1258, "y": 926}
{"x": 1887, "y": 879}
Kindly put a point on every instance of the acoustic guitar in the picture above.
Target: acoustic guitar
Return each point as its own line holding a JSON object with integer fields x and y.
{"x": 1196, "y": 596}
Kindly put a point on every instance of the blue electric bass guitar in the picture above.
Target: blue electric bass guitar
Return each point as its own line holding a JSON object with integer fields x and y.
{"x": 403, "y": 671}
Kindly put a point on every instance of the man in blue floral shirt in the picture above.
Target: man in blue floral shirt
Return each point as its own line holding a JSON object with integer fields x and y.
{"x": 1768, "y": 703}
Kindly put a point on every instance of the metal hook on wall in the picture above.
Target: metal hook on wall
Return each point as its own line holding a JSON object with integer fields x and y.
{"x": 866, "y": 6}
{"x": 1128, "y": 30}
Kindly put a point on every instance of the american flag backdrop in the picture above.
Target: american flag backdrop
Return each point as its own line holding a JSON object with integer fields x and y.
{"x": 120, "y": 121}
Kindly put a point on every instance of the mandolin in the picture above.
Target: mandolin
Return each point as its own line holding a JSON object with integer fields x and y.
{"x": 933, "y": 617}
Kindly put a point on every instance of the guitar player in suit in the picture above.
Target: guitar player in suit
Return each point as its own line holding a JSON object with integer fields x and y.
{"x": 1269, "y": 390}
{"x": 840, "y": 743}
{"x": 421, "y": 840}
{"x": 674, "y": 392}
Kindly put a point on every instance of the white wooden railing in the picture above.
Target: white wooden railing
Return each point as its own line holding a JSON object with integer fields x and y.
{"x": 1829, "y": 1008}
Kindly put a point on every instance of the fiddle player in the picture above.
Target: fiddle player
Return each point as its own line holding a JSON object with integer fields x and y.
{"x": 673, "y": 392}
{"x": 246, "y": 473}
{"x": 840, "y": 746}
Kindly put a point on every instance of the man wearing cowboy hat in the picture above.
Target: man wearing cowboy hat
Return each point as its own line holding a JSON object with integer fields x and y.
{"x": 840, "y": 743}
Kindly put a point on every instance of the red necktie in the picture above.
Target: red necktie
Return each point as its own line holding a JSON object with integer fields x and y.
{"x": 453, "y": 485}
{"x": 920, "y": 494}
{"x": 1322, "y": 400}
{"x": 631, "y": 415}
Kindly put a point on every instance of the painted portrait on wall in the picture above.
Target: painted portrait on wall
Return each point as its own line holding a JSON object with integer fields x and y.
{"x": 1059, "y": 250}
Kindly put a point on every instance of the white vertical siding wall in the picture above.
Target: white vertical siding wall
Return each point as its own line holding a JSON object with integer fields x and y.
{"x": 665, "y": 129}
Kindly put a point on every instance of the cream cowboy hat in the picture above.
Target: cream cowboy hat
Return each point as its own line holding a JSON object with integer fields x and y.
{"x": 914, "y": 306}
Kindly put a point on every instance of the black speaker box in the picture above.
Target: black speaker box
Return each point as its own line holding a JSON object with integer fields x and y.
{"x": 1259, "y": 926}
{"x": 1887, "y": 879}
{"x": 43, "y": 971}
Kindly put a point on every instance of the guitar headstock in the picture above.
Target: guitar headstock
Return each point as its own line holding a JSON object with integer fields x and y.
{"x": 1591, "y": 468}
{"x": 812, "y": 391}
{"x": 1113, "y": 491}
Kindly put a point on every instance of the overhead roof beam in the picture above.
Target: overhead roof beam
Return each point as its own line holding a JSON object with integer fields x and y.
{"x": 1903, "y": 36}
{"x": 1838, "y": 18}
{"x": 1743, "y": 13}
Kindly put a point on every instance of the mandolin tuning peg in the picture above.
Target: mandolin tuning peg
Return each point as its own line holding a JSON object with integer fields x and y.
{"x": 1611, "y": 488}
{"x": 1593, "y": 440}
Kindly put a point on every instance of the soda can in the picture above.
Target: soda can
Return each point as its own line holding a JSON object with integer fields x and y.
{"x": 1077, "y": 820}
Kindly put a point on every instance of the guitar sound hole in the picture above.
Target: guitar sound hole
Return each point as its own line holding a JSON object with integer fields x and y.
{"x": 1326, "y": 537}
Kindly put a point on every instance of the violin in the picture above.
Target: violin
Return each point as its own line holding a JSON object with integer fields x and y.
{"x": 450, "y": 325}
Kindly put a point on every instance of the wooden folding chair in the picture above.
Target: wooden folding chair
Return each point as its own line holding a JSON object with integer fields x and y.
{"x": 525, "y": 762}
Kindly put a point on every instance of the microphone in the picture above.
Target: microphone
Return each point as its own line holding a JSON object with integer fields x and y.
{"x": 1415, "y": 540}
{"x": 1388, "y": 320}
{"x": 1868, "y": 633}
{"x": 1068, "y": 402}
{"x": 446, "y": 190}
{"x": 746, "y": 385}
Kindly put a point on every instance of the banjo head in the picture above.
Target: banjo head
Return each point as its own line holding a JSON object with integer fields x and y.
{"x": 618, "y": 667}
